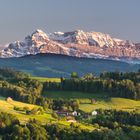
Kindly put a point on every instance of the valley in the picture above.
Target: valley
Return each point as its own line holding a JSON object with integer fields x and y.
{"x": 69, "y": 70}
{"x": 75, "y": 105}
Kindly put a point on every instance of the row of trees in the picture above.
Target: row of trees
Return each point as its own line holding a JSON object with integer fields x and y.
{"x": 133, "y": 76}
{"x": 114, "y": 118}
{"x": 21, "y": 92}
{"x": 58, "y": 104}
{"x": 114, "y": 84}
{"x": 10, "y": 73}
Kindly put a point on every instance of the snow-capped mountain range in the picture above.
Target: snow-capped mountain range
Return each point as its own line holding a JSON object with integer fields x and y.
{"x": 76, "y": 43}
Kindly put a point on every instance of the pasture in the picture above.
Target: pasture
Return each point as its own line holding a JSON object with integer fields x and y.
{"x": 45, "y": 79}
{"x": 8, "y": 107}
{"x": 101, "y": 101}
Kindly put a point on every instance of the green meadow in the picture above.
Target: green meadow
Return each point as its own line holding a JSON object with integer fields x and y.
{"x": 101, "y": 101}
{"x": 8, "y": 107}
{"x": 45, "y": 79}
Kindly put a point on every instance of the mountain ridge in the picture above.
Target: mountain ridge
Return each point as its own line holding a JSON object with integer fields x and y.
{"x": 75, "y": 43}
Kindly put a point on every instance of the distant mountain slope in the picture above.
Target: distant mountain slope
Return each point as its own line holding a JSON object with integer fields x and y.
{"x": 51, "y": 65}
{"x": 76, "y": 43}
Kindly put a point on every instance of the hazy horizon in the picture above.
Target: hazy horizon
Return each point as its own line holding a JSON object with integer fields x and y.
{"x": 120, "y": 19}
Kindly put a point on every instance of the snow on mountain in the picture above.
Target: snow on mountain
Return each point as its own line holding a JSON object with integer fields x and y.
{"x": 84, "y": 38}
{"x": 75, "y": 43}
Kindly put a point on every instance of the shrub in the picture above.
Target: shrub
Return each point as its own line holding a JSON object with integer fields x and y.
{"x": 54, "y": 115}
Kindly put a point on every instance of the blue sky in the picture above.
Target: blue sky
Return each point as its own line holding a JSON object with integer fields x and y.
{"x": 120, "y": 18}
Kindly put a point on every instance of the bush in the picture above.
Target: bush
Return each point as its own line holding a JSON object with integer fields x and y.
{"x": 34, "y": 111}
{"x": 54, "y": 115}
{"x": 26, "y": 108}
{"x": 18, "y": 108}
{"x": 41, "y": 110}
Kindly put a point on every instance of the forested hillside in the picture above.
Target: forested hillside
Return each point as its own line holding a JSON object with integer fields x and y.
{"x": 51, "y": 65}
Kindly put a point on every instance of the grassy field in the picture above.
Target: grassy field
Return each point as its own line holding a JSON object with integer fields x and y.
{"x": 74, "y": 95}
{"x": 114, "y": 103}
{"x": 8, "y": 107}
{"x": 44, "y": 79}
{"x": 102, "y": 101}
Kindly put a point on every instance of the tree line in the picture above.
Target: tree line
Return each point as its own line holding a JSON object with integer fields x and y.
{"x": 113, "y": 118}
{"x": 115, "y": 84}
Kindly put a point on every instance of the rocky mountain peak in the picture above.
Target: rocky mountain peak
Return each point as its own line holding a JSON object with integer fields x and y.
{"x": 75, "y": 43}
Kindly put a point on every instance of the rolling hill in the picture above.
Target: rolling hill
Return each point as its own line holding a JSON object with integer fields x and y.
{"x": 51, "y": 65}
